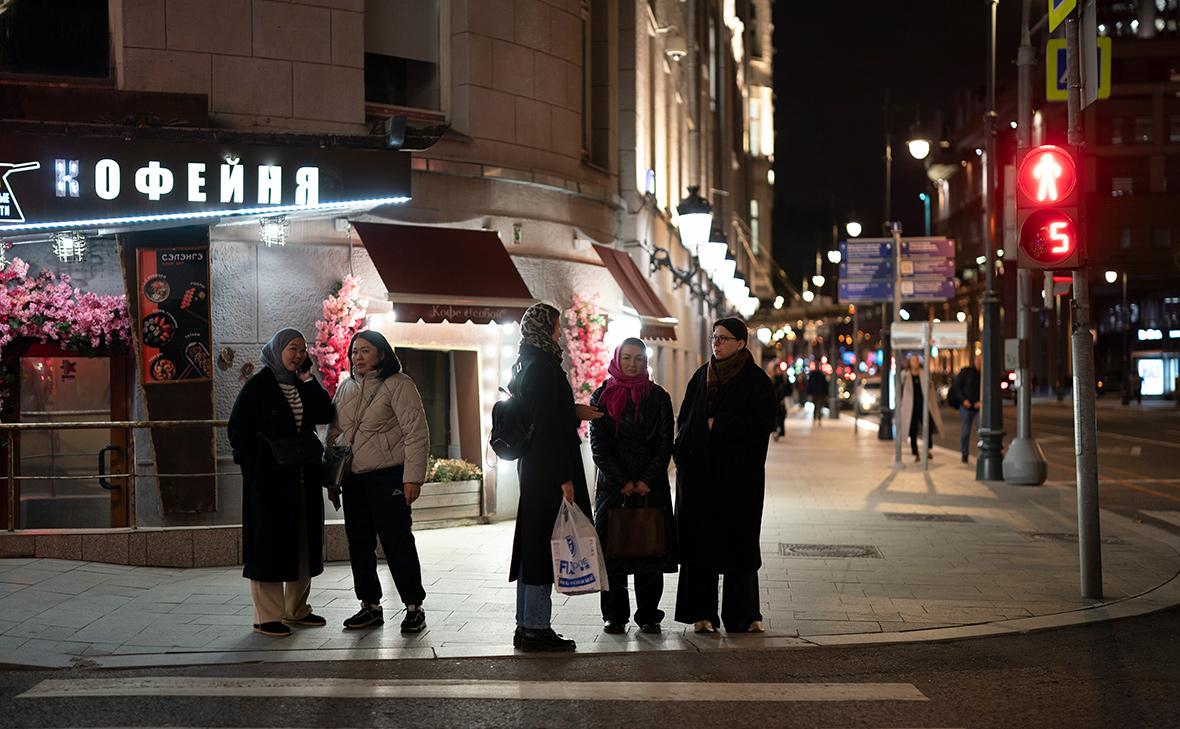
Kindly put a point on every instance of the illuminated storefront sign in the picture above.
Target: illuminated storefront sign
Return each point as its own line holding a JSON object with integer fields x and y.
{"x": 70, "y": 182}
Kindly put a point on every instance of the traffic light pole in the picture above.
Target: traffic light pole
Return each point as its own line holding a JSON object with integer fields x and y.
{"x": 1084, "y": 416}
{"x": 989, "y": 467}
{"x": 1024, "y": 464}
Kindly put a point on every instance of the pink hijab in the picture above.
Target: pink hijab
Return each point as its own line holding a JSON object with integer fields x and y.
{"x": 620, "y": 388}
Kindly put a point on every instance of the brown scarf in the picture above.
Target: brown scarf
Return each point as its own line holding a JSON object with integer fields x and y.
{"x": 722, "y": 371}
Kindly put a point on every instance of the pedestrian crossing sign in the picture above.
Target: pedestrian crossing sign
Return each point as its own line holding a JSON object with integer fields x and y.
{"x": 1059, "y": 10}
{"x": 1056, "y": 81}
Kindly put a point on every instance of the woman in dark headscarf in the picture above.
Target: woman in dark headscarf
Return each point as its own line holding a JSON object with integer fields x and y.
{"x": 549, "y": 471}
{"x": 632, "y": 445}
{"x": 272, "y": 431}
{"x": 722, "y": 434}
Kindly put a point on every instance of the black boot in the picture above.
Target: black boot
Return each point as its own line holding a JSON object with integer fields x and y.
{"x": 542, "y": 640}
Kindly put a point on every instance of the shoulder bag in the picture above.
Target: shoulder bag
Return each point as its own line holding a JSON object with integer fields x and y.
{"x": 338, "y": 458}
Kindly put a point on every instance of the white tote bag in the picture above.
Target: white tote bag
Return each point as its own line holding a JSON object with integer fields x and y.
{"x": 579, "y": 567}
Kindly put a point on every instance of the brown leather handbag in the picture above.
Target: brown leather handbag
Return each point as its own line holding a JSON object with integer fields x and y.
{"x": 635, "y": 532}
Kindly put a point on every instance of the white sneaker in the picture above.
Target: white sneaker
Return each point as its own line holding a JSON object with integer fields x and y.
{"x": 704, "y": 626}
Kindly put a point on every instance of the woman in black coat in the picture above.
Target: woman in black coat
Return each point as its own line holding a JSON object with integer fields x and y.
{"x": 274, "y": 418}
{"x": 722, "y": 434}
{"x": 549, "y": 471}
{"x": 632, "y": 444}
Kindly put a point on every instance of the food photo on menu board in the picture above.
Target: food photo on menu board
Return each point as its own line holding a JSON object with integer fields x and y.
{"x": 174, "y": 314}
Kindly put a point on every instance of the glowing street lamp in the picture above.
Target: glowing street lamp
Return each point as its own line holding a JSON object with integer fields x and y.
{"x": 1112, "y": 276}
{"x": 695, "y": 219}
{"x": 853, "y": 229}
{"x": 834, "y": 257}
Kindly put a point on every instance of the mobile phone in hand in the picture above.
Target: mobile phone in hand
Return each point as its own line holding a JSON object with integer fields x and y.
{"x": 306, "y": 366}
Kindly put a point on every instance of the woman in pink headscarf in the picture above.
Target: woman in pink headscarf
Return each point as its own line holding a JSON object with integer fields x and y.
{"x": 632, "y": 444}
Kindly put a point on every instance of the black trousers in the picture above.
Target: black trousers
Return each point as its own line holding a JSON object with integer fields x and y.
{"x": 375, "y": 507}
{"x": 649, "y": 588}
{"x": 696, "y": 598}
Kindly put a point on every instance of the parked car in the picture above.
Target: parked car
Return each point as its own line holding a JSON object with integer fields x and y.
{"x": 868, "y": 395}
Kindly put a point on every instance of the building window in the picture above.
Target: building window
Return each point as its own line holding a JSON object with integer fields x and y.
{"x": 1116, "y": 130}
{"x": 1174, "y": 129}
{"x": 1125, "y": 238}
{"x": 66, "y": 38}
{"x": 1142, "y": 130}
{"x": 1161, "y": 238}
{"x": 597, "y": 55}
{"x": 755, "y": 32}
{"x": 755, "y": 227}
{"x": 401, "y": 53}
{"x": 1122, "y": 186}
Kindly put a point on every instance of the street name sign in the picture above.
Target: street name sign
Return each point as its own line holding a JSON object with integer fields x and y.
{"x": 871, "y": 291}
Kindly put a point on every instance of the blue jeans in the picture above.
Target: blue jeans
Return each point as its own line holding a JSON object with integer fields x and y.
{"x": 534, "y": 605}
{"x": 967, "y": 418}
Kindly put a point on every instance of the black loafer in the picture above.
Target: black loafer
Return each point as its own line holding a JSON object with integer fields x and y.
{"x": 650, "y": 628}
{"x": 544, "y": 641}
{"x": 274, "y": 629}
{"x": 310, "y": 620}
{"x": 614, "y": 627}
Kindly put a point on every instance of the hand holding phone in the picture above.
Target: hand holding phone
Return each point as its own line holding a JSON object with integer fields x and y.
{"x": 304, "y": 370}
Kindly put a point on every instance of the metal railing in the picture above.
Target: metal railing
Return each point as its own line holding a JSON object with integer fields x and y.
{"x": 8, "y": 429}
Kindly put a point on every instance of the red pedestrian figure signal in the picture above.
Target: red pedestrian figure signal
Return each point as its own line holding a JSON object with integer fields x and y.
{"x": 1046, "y": 205}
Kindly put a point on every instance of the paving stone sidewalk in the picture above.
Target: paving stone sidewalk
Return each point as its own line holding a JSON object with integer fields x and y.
{"x": 854, "y": 551}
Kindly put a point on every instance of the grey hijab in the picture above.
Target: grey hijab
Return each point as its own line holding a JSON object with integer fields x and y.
{"x": 272, "y": 354}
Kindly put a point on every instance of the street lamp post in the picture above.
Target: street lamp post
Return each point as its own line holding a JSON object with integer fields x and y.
{"x": 1126, "y": 321}
{"x": 926, "y": 210}
{"x": 989, "y": 466}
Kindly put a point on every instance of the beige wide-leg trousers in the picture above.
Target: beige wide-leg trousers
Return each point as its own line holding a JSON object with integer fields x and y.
{"x": 274, "y": 601}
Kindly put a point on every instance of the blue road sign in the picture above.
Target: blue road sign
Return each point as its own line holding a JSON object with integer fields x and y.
{"x": 864, "y": 269}
{"x": 870, "y": 248}
{"x": 870, "y": 291}
{"x": 940, "y": 247}
{"x": 922, "y": 266}
{"x": 927, "y": 289}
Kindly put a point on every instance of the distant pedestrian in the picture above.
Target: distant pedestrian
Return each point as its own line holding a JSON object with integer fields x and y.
{"x": 632, "y": 444}
{"x": 912, "y": 404}
{"x": 817, "y": 390}
{"x": 379, "y": 413}
{"x": 722, "y": 435}
{"x": 967, "y": 388}
{"x": 272, "y": 432}
{"x": 549, "y": 471}
{"x": 782, "y": 394}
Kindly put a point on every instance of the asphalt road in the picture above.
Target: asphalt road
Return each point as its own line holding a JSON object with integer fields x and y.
{"x": 1118, "y": 674}
{"x": 1138, "y": 453}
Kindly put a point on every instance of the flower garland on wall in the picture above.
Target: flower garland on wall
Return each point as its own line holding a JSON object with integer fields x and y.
{"x": 46, "y": 308}
{"x": 584, "y": 326}
{"x": 344, "y": 314}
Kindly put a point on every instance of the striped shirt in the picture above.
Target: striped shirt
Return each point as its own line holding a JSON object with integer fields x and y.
{"x": 296, "y": 403}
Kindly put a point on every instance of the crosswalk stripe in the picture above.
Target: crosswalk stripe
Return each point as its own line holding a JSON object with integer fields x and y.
{"x": 467, "y": 689}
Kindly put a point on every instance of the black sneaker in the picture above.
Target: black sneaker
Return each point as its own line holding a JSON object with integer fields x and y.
{"x": 516, "y": 637}
{"x": 274, "y": 629}
{"x": 544, "y": 641}
{"x": 369, "y": 616}
{"x": 311, "y": 620}
{"x": 614, "y": 626}
{"x": 650, "y": 628}
{"x": 415, "y": 620}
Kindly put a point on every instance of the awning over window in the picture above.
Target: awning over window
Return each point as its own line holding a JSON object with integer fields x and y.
{"x": 657, "y": 322}
{"x": 446, "y": 274}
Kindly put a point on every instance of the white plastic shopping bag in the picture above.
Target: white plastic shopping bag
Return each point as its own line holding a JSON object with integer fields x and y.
{"x": 579, "y": 567}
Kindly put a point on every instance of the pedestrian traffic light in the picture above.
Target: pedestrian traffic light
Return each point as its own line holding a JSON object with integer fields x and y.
{"x": 1047, "y": 194}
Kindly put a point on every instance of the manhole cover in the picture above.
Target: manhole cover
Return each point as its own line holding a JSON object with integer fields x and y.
{"x": 956, "y": 518}
{"x": 1065, "y": 537}
{"x": 831, "y": 551}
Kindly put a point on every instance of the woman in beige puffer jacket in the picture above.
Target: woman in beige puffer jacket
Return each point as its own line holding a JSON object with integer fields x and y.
{"x": 379, "y": 414}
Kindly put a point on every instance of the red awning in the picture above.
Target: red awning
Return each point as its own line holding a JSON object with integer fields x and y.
{"x": 446, "y": 274}
{"x": 657, "y": 322}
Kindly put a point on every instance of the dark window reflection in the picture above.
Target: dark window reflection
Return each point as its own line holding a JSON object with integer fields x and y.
{"x": 55, "y": 38}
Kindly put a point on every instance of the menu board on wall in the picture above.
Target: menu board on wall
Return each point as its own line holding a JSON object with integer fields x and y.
{"x": 173, "y": 326}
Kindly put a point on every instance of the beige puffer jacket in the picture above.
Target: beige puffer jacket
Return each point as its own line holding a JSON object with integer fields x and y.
{"x": 392, "y": 429}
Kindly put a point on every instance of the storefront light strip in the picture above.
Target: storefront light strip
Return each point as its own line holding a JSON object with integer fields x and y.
{"x": 205, "y": 214}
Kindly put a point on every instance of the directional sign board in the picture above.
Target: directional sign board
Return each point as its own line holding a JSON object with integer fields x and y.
{"x": 927, "y": 289}
{"x": 1056, "y": 83}
{"x": 866, "y": 291}
{"x": 927, "y": 269}
{"x": 877, "y": 268}
{"x": 949, "y": 335}
{"x": 866, "y": 270}
{"x": 1059, "y": 10}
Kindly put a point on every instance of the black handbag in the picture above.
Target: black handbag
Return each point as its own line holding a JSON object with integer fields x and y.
{"x": 337, "y": 463}
{"x": 294, "y": 451}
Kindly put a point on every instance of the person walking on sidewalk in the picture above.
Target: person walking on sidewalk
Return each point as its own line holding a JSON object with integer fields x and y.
{"x": 550, "y": 470}
{"x": 722, "y": 435}
{"x": 632, "y": 445}
{"x": 272, "y": 432}
{"x": 782, "y": 391}
{"x": 817, "y": 390}
{"x": 380, "y": 416}
{"x": 911, "y": 402}
{"x": 967, "y": 387}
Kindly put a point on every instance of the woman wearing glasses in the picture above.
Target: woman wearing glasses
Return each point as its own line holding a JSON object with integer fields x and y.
{"x": 632, "y": 444}
{"x": 722, "y": 434}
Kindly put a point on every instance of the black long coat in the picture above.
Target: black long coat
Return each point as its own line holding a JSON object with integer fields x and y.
{"x": 277, "y": 503}
{"x": 639, "y": 450}
{"x": 553, "y": 457}
{"x": 721, "y": 473}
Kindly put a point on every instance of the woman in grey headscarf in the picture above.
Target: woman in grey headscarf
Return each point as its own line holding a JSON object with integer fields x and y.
{"x": 272, "y": 431}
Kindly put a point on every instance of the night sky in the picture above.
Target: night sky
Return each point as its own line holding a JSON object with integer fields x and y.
{"x": 833, "y": 64}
